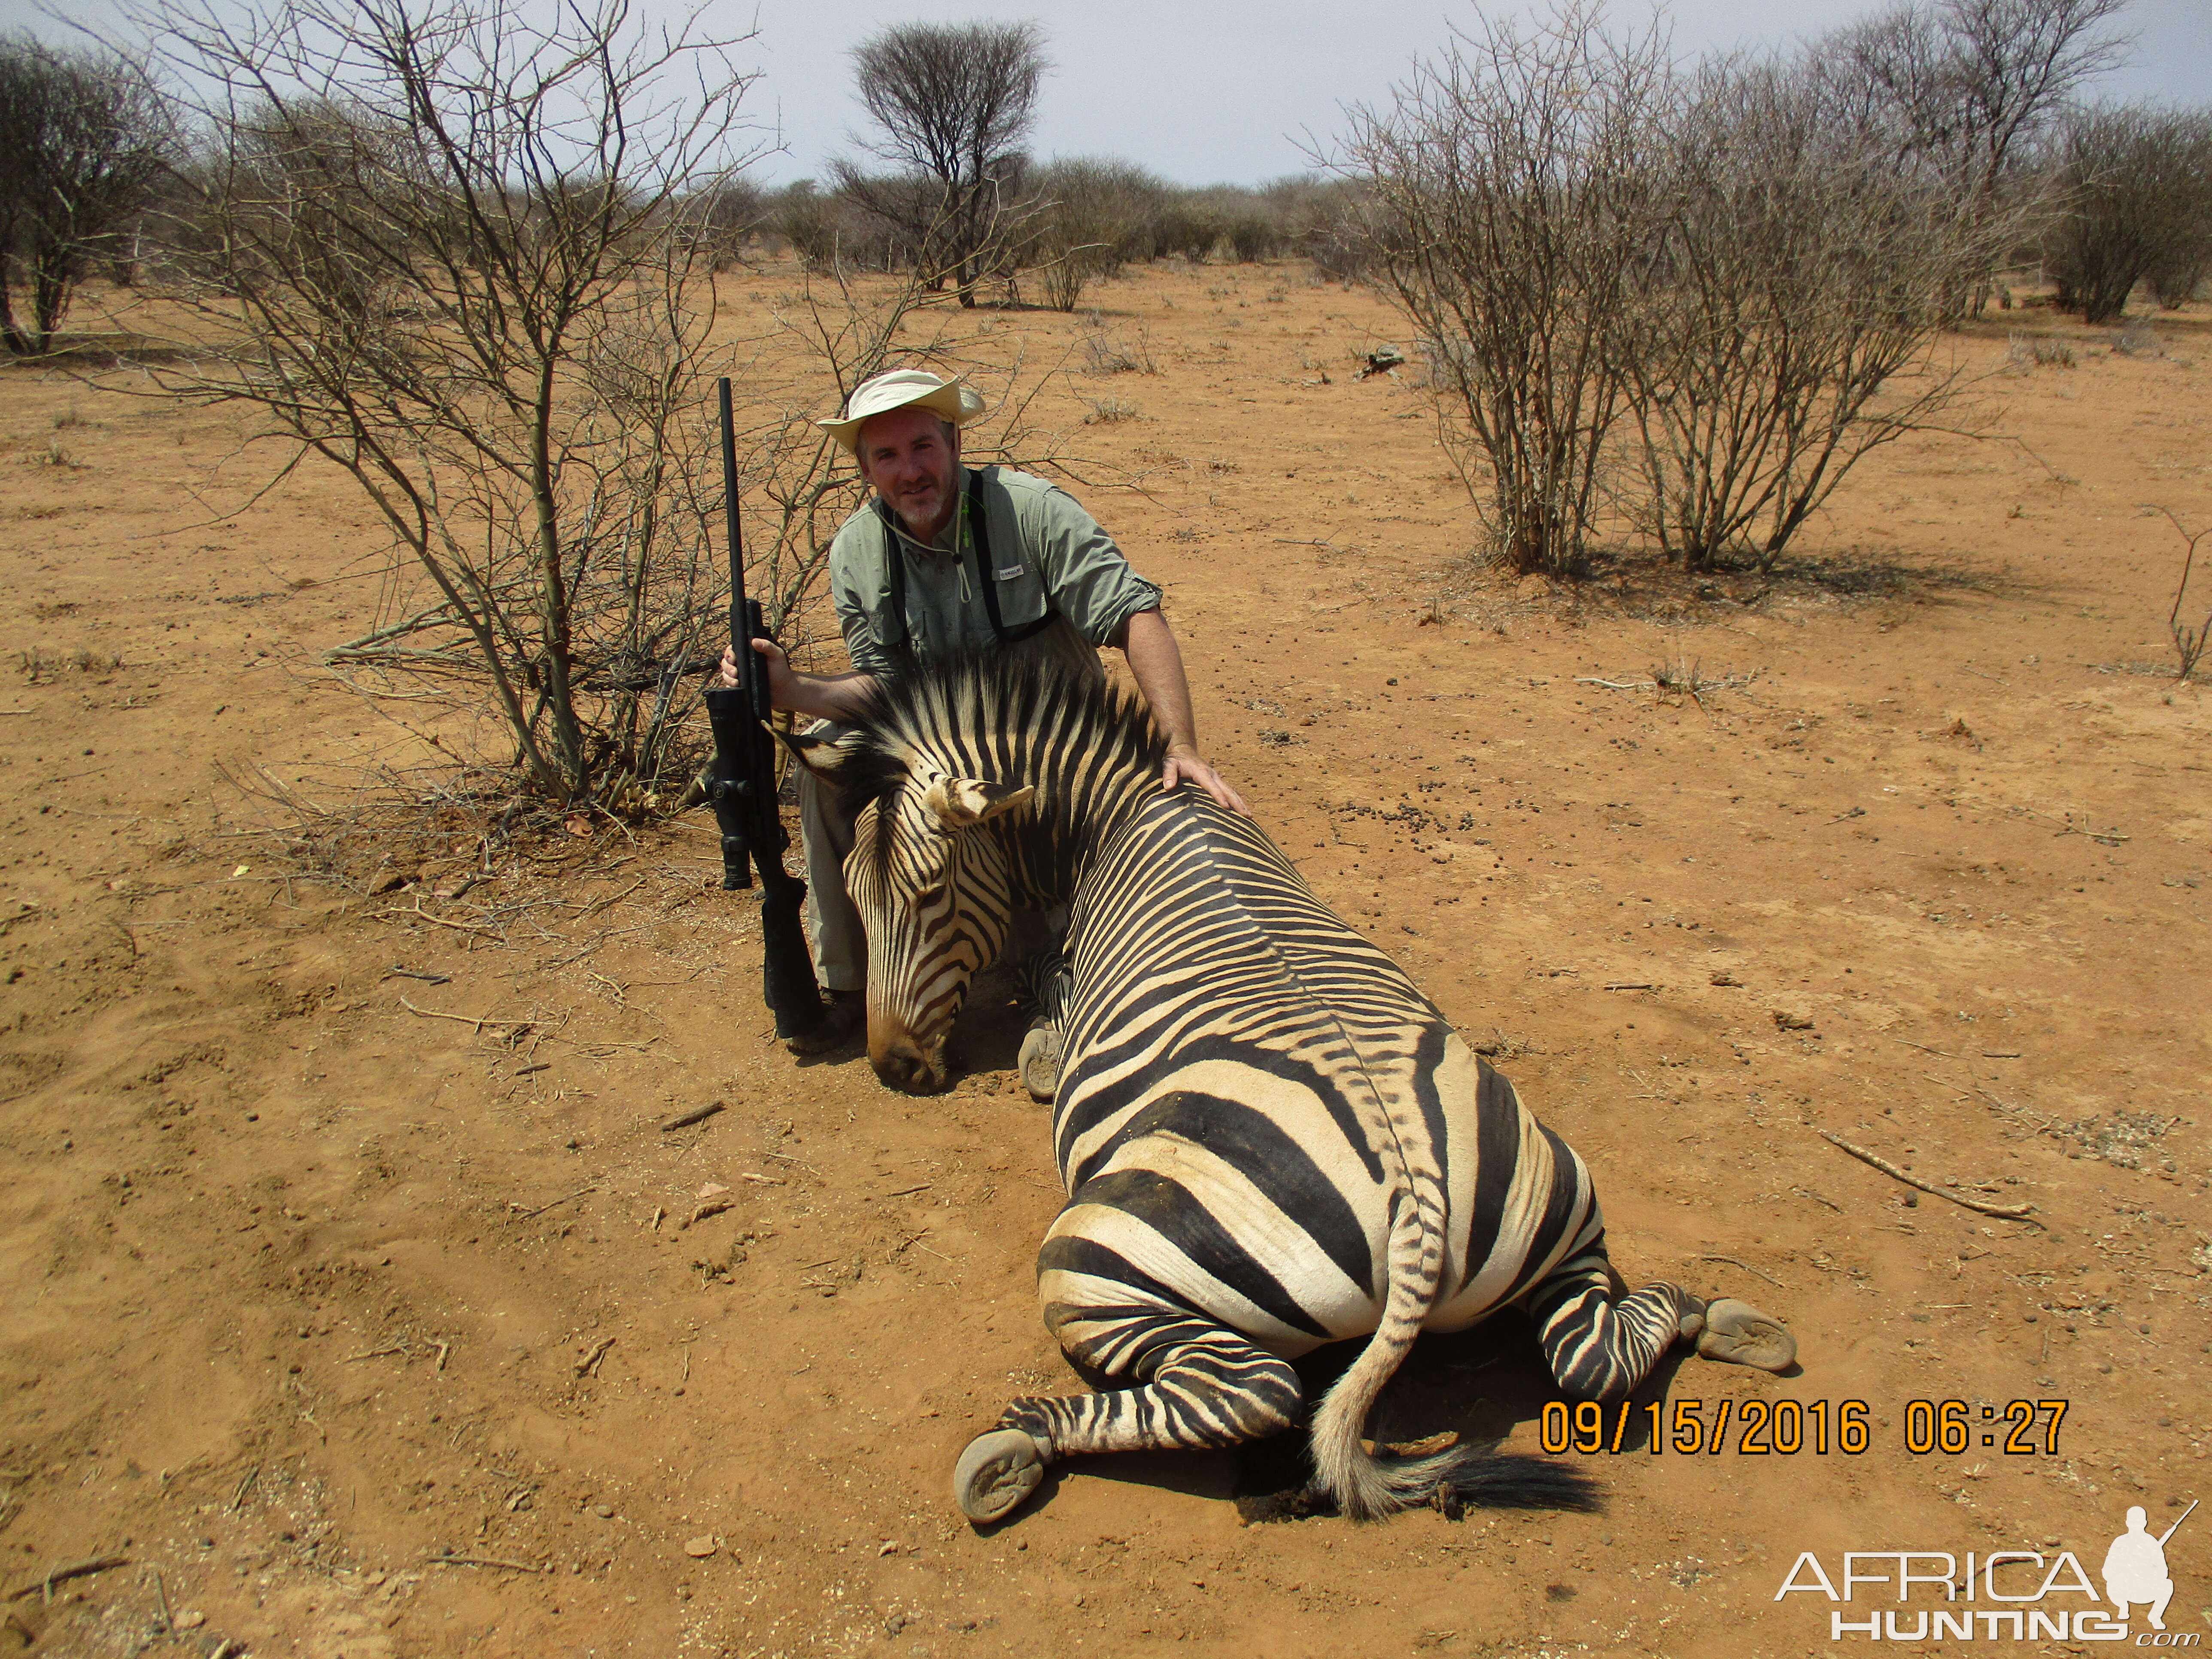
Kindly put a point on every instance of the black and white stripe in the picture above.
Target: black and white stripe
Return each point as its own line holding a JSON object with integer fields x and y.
{"x": 1269, "y": 1138}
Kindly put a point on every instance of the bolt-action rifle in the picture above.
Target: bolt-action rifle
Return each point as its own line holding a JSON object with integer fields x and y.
{"x": 743, "y": 790}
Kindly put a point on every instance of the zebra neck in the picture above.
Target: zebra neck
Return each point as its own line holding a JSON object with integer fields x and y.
{"x": 1049, "y": 856}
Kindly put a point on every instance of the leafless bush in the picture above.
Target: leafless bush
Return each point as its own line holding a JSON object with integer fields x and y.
{"x": 1188, "y": 226}
{"x": 2136, "y": 182}
{"x": 2189, "y": 643}
{"x": 2024, "y": 352}
{"x": 1510, "y": 194}
{"x": 726, "y": 216}
{"x": 83, "y": 138}
{"x": 1086, "y": 220}
{"x": 808, "y": 220}
{"x": 1965, "y": 90}
{"x": 2178, "y": 278}
{"x": 448, "y": 248}
{"x": 1104, "y": 355}
{"x": 1781, "y": 312}
{"x": 953, "y": 104}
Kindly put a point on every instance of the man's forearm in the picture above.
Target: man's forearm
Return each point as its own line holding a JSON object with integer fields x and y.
{"x": 1156, "y": 664}
{"x": 825, "y": 696}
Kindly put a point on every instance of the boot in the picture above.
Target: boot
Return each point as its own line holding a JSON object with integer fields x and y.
{"x": 843, "y": 1012}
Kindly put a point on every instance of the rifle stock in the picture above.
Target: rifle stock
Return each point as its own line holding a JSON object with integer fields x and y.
{"x": 744, "y": 791}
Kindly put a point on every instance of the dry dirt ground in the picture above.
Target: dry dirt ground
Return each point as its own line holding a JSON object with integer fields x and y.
{"x": 350, "y": 1308}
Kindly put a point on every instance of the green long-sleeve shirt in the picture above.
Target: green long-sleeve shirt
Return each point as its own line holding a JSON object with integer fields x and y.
{"x": 1045, "y": 552}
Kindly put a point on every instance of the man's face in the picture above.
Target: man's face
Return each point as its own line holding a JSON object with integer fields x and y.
{"x": 914, "y": 461}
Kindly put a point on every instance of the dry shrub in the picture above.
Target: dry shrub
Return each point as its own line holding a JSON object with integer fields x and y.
{"x": 1509, "y": 199}
{"x": 2136, "y": 184}
{"x": 1792, "y": 282}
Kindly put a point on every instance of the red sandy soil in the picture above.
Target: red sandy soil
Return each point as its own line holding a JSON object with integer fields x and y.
{"x": 348, "y": 1323}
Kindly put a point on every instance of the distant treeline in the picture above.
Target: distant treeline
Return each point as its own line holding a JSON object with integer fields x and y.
{"x": 1061, "y": 223}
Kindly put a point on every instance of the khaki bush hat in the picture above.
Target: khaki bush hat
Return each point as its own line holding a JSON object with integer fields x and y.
{"x": 955, "y": 400}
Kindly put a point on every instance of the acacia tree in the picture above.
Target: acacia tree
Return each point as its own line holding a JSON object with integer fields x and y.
{"x": 1509, "y": 185}
{"x": 1967, "y": 91}
{"x": 953, "y": 104}
{"x": 83, "y": 139}
{"x": 455, "y": 248}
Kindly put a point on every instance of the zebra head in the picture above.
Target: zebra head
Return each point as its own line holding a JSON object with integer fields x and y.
{"x": 933, "y": 885}
{"x": 976, "y": 786}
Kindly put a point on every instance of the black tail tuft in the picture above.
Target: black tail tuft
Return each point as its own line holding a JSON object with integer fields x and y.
{"x": 1510, "y": 1480}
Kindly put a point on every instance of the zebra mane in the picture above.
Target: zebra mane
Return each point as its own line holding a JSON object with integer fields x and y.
{"x": 1001, "y": 718}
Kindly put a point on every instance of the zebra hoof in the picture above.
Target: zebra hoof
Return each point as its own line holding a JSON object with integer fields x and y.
{"x": 1737, "y": 1334}
{"x": 1040, "y": 1062}
{"x": 995, "y": 1473}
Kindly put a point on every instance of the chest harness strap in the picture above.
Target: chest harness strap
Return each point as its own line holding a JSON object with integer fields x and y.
{"x": 979, "y": 542}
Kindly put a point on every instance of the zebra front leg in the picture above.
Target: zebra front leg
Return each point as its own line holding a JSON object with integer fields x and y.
{"x": 1048, "y": 983}
{"x": 1208, "y": 1388}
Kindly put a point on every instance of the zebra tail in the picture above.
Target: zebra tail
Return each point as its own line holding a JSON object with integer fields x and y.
{"x": 1365, "y": 1486}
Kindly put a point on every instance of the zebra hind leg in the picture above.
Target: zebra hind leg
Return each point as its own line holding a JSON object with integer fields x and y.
{"x": 1207, "y": 1388}
{"x": 1600, "y": 1339}
{"x": 1737, "y": 1334}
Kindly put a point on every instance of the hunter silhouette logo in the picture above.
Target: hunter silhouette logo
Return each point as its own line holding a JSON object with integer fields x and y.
{"x": 2018, "y": 1596}
{"x": 2135, "y": 1568}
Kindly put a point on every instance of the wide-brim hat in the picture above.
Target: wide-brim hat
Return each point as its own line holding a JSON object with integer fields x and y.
{"x": 955, "y": 399}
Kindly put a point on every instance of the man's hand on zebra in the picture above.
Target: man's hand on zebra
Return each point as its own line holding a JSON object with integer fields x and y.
{"x": 1184, "y": 766}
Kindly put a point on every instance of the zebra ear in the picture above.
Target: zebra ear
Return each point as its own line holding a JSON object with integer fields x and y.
{"x": 960, "y": 803}
{"x": 821, "y": 756}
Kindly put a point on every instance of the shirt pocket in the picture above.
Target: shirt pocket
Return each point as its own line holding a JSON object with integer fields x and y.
{"x": 1020, "y": 591}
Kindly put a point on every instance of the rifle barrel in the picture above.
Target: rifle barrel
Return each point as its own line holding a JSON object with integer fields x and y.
{"x": 2176, "y": 1526}
{"x": 738, "y": 634}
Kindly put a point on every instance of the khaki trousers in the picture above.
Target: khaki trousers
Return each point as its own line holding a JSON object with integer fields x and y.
{"x": 841, "y": 944}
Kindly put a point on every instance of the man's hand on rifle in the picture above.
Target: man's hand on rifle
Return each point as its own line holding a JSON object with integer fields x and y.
{"x": 822, "y": 697}
{"x": 783, "y": 683}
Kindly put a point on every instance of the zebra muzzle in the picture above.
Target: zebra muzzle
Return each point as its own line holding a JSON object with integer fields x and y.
{"x": 903, "y": 1065}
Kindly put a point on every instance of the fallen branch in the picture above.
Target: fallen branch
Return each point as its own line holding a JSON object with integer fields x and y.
{"x": 1748, "y": 1269}
{"x": 485, "y": 1561}
{"x": 463, "y": 1019}
{"x": 564, "y": 1199}
{"x": 697, "y": 1115}
{"x": 2005, "y": 1212}
{"x": 44, "y": 1587}
{"x": 418, "y": 914}
{"x": 1925, "y": 1049}
{"x": 590, "y": 1362}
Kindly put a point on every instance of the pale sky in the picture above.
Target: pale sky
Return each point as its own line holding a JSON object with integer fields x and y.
{"x": 1209, "y": 91}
